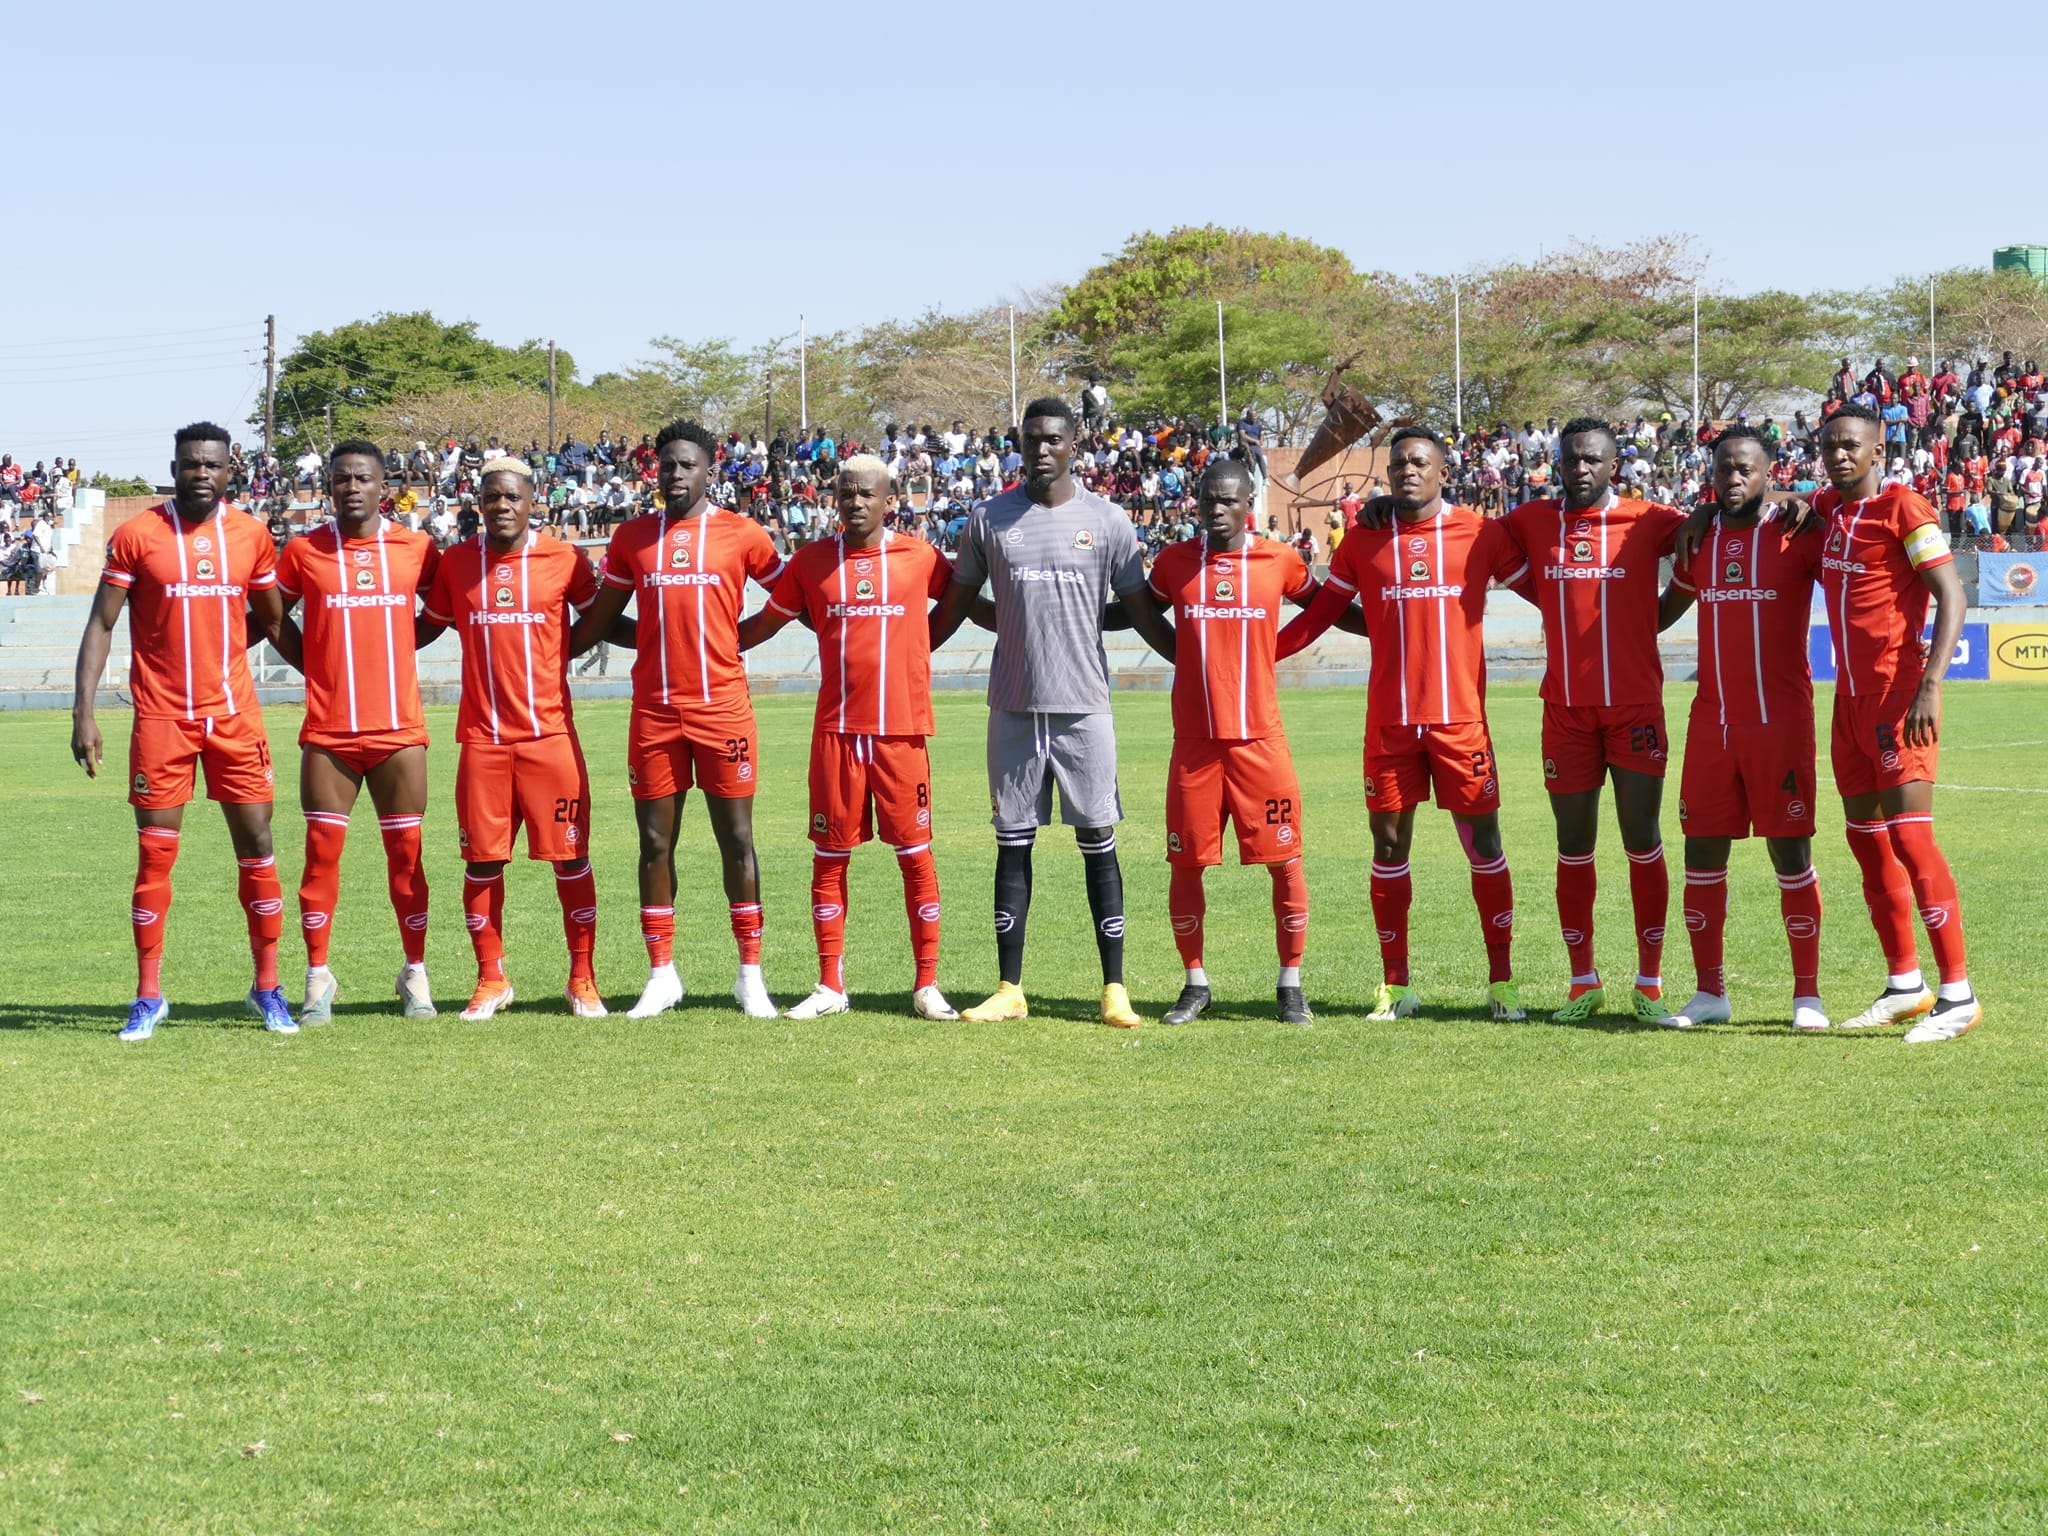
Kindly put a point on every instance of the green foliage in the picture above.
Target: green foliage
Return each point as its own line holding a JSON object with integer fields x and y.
{"x": 131, "y": 485}
{"x": 1978, "y": 313}
{"x": 366, "y": 364}
{"x": 871, "y": 1274}
{"x": 1276, "y": 363}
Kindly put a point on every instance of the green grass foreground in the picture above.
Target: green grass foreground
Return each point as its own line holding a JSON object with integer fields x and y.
{"x": 875, "y": 1274}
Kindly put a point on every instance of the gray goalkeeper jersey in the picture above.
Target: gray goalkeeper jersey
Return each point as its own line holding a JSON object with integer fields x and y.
{"x": 1051, "y": 571}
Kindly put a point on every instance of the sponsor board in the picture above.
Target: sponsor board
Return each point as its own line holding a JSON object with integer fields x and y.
{"x": 1972, "y": 660}
{"x": 2019, "y": 653}
{"x": 2008, "y": 580}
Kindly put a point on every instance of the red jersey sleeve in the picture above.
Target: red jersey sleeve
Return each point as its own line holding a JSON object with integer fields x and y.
{"x": 618, "y": 567}
{"x": 762, "y": 562}
{"x": 787, "y": 596}
{"x": 582, "y": 589}
{"x": 942, "y": 575}
{"x": 1344, "y": 564}
{"x": 1919, "y": 531}
{"x": 1296, "y": 579}
{"x": 291, "y": 579}
{"x": 124, "y": 555}
{"x": 1666, "y": 521}
{"x": 1161, "y": 576}
{"x": 263, "y": 569}
{"x": 1503, "y": 559}
{"x": 430, "y": 566}
{"x": 440, "y": 605}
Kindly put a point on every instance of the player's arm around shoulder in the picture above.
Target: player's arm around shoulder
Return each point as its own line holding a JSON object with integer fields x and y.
{"x": 601, "y": 621}
{"x": 790, "y": 599}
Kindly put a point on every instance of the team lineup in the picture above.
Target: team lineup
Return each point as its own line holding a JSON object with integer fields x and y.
{"x": 1048, "y": 566}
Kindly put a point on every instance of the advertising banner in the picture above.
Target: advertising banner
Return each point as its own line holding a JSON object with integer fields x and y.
{"x": 2019, "y": 653}
{"x": 2010, "y": 581}
{"x": 1972, "y": 658}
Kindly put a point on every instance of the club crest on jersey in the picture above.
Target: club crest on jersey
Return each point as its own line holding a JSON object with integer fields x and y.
{"x": 1837, "y": 542}
{"x": 363, "y": 557}
{"x": 679, "y": 558}
{"x": 1225, "y": 591}
{"x": 204, "y": 570}
{"x": 1173, "y": 843}
{"x": 1731, "y": 573}
{"x": 818, "y": 822}
{"x": 1418, "y": 570}
{"x": 202, "y": 545}
{"x": 142, "y": 783}
{"x": 863, "y": 590}
{"x": 1582, "y": 549}
{"x": 366, "y": 579}
{"x": 502, "y": 597}
{"x": 1372, "y": 787}
{"x": 1550, "y": 768}
{"x": 632, "y": 778}
{"x": 462, "y": 837}
{"x": 1085, "y": 539}
{"x": 1682, "y": 812}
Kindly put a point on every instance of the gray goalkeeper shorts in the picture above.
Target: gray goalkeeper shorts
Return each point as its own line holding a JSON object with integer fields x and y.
{"x": 1029, "y": 753}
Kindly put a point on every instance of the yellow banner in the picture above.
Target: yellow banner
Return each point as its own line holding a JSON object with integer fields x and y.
{"x": 2019, "y": 652}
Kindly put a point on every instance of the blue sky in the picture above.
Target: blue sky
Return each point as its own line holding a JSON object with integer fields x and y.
{"x": 604, "y": 172}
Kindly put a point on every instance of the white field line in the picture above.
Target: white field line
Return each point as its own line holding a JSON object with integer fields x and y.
{"x": 1994, "y": 789}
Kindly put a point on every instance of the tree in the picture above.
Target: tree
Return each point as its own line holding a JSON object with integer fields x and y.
{"x": 365, "y": 364}
{"x": 1758, "y": 352}
{"x": 1978, "y": 313}
{"x": 707, "y": 381}
{"x": 1275, "y": 364}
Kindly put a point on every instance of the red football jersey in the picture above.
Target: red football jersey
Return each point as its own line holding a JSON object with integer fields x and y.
{"x": 871, "y": 609}
{"x": 188, "y": 590}
{"x": 1226, "y": 615}
{"x": 1422, "y": 587}
{"x": 1877, "y": 603}
{"x": 689, "y": 576}
{"x": 1593, "y": 577}
{"x": 1755, "y": 589}
{"x": 358, "y": 598}
{"x": 513, "y": 613}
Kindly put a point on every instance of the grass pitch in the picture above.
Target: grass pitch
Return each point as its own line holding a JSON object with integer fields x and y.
{"x": 874, "y": 1274}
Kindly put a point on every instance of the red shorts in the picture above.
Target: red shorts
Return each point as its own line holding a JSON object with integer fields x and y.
{"x": 233, "y": 748}
{"x": 665, "y": 757}
{"x": 1868, "y": 743}
{"x": 360, "y": 751}
{"x": 1581, "y": 742}
{"x": 1404, "y": 763}
{"x": 542, "y": 784}
{"x": 1742, "y": 778}
{"x": 1250, "y": 782}
{"x": 861, "y": 782}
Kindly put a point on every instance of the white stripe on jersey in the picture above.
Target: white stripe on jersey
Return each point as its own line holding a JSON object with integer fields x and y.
{"x": 1847, "y": 673}
{"x": 1756, "y": 621}
{"x": 703, "y": 564}
{"x": 882, "y": 673}
{"x": 184, "y": 609}
{"x": 1443, "y": 628}
{"x": 483, "y": 602}
{"x": 348, "y": 629}
{"x": 526, "y": 630}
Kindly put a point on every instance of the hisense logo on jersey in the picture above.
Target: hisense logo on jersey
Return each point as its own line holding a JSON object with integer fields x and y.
{"x": 1584, "y": 572}
{"x": 1404, "y": 594}
{"x": 865, "y": 610}
{"x": 1843, "y": 567}
{"x": 1037, "y": 573}
{"x": 1211, "y": 611}
{"x": 484, "y": 617}
{"x": 1739, "y": 594}
{"x": 681, "y": 578}
{"x": 368, "y": 600}
{"x": 203, "y": 589}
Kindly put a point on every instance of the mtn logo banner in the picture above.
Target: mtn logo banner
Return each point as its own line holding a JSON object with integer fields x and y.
{"x": 2019, "y": 653}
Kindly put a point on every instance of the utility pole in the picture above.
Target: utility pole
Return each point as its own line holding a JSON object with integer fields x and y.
{"x": 330, "y": 426}
{"x": 768, "y": 411}
{"x": 550, "y": 444}
{"x": 1222, "y": 372}
{"x": 269, "y": 381}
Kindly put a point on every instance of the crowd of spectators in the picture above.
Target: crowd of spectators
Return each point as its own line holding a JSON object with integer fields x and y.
{"x": 33, "y": 500}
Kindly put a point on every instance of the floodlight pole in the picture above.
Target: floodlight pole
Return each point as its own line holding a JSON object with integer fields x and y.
{"x": 803, "y": 376}
{"x": 1458, "y": 358}
{"x": 1696, "y": 422}
{"x": 1222, "y": 372}
{"x": 1013, "y": 368}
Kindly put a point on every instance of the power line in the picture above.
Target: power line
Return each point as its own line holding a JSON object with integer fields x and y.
{"x": 65, "y": 372}
{"x": 79, "y": 341}
{"x": 125, "y": 374}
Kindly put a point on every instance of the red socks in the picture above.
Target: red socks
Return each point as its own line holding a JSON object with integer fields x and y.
{"x": 483, "y": 913}
{"x": 1493, "y": 892}
{"x": 263, "y": 901}
{"x": 1887, "y": 892}
{"x": 746, "y": 930}
{"x": 828, "y": 917}
{"x": 1649, "y": 896}
{"x": 1799, "y": 905}
{"x": 156, "y": 850}
{"x": 406, "y": 878}
{"x": 921, "y": 904}
{"x": 320, "y": 881}
{"x": 1934, "y": 889}
{"x": 1578, "y": 882}
{"x": 1290, "y": 913}
{"x": 1186, "y": 904}
{"x": 1392, "y": 893}
{"x": 1706, "y": 919}
{"x": 576, "y": 889}
{"x": 658, "y": 928}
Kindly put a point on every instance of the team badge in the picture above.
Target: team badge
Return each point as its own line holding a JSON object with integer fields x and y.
{"x": 366, "y": 580}
{"x": 1173, "y": 843}
{"x": 502, "y": 573}
{"x": 1582, "y": 549}
{"x": 363, "y": 557}
{"x": 1732, "y": 573}
{"x": 142, "y": 783}
{"x": 1085, "y": 539}
{"x": 1550, "y": 768}
{"x": 1225, "y": 591}
{"x": 1372, "y": 787}
{"x": 632, "y": 778}
{"x": 863, "y": 590}
{"x": 202, "y": 545}
{"x": 1837, "y": 542}
{"x": 462, "y": 836}
{"x": 1418, "y": 546}
{"x": 503, "y": 597}
{"x": 1418, "y": 570}
{"x": 1682, "y": 812}
{"x": 204, "y": 570}
{"x": 679, "y": 558}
